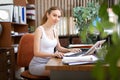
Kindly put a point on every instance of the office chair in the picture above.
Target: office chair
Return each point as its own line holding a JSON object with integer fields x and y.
{"x": 24, "y": 56}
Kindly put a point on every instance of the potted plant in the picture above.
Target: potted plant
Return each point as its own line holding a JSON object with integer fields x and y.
{"x": 83, "y": 17}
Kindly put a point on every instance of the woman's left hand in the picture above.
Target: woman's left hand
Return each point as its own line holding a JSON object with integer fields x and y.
{"x": 75, "y": 50}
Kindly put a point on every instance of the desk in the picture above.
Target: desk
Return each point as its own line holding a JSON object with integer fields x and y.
{"x": 59, "y": 71}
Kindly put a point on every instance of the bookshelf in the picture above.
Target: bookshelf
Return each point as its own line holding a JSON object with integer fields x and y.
{"x": 31, "y": 15}
{"x": 12, "y": 31}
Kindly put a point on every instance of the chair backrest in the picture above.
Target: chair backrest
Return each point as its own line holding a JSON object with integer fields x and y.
{"x": 25, "y": 50}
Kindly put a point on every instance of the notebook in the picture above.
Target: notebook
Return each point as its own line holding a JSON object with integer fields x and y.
{"x": 86, "y": 51}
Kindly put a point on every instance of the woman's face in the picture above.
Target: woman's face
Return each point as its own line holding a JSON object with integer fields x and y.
{"x": 54, "y": 16}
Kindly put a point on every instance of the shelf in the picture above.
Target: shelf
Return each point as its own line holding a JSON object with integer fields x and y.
{"x": 30, "y": 6}
{"x": 30, "y": 19}
{"x": 31, "y": 15}
{"x": 18, "y": 34}
{"x": 14, "y": 23}
{"x": 6, "y": 39}
{"x": 13, "y": 31}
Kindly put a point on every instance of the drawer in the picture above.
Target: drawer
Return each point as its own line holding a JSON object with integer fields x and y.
{"x": 7, "y": 64}
{"x": 2, "y": 62}
{"x": 6, "y": 76}
{"x": 3, "y": 76}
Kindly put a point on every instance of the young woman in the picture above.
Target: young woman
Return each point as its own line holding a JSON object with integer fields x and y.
{"x": 46, "y": 43}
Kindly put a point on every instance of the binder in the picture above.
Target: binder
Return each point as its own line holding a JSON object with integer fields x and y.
{"x": 22, "y": 14}
{"x": 6, "y": 1}
{"x": 16, "y": 15}
{"x": 6, "y": 13}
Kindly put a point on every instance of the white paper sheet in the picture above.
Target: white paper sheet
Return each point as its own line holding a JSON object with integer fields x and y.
{"x": 87, "y": 58}
{"x": 80, "y": 45}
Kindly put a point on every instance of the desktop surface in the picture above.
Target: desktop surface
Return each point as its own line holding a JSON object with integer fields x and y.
{"x": 56, "y": 64}
{"x": 60, "y": 71}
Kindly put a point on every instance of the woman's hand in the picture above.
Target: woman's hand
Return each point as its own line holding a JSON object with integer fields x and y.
{"x": 75, "y": 50}
{"x": 58, "y": 54}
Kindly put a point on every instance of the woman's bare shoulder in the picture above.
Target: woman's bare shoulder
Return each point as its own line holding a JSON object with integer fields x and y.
{"x": 38, "y": 31}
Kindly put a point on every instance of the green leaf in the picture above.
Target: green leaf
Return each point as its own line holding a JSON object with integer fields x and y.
{"x": 103, "y": 12}
{"x": 115, "y": 38}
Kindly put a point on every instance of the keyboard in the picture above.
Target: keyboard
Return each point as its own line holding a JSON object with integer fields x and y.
{"x": 72, "y": 54}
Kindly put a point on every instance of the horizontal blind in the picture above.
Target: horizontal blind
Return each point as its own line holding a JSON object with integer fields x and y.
{"x": 66, "y": 26}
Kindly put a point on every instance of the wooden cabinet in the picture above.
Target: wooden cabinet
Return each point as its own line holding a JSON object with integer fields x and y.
{"x": 21, "y": 29}
{"x": 7, "y": 64}
{"x": 12, "y": 33}
{"x": 70, "y": 39}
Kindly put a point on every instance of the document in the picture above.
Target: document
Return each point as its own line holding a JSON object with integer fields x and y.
{"x": 78, "y": 63}
{"x": 79, "y": 59}
{"x": 85, "y": 58}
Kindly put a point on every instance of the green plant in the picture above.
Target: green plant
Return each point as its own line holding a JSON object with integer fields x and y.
{"x": 84, "y": 16}
{"x": 112, "y": 57}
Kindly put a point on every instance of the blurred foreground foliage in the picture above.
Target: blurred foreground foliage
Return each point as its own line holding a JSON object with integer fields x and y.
{"x": 113, "y": 50}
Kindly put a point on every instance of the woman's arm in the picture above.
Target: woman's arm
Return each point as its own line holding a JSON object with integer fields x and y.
{"x": 63, "y": 49}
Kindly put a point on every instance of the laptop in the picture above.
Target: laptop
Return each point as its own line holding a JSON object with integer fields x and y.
{"x": 86, "y": 51}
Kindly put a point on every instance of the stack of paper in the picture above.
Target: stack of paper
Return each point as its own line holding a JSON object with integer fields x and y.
{"x": 79, "y": 59}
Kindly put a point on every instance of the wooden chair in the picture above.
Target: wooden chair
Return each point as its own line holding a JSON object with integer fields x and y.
{"x": 24, "y": 56}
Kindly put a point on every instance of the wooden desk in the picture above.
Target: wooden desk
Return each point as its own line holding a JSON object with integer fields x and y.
{"x": 59, "y": 71}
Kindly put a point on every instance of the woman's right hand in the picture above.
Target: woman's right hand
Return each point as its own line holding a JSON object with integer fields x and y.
{"x": 58, "y": 54}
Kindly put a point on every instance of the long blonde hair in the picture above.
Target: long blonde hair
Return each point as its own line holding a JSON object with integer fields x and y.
{"x": 44, "y": 19}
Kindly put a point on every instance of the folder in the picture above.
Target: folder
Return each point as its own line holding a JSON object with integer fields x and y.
{"x": 6, "y": 1}
{"x": 22, "y": 14}
{"x": 16, "y": 15}
{"x": 6, "y": 13}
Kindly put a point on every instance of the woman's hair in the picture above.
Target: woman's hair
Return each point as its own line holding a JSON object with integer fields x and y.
{"x": 44, "y": 19}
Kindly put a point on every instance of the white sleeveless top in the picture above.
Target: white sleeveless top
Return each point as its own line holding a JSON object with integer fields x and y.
{"x": 46, "y": 45}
